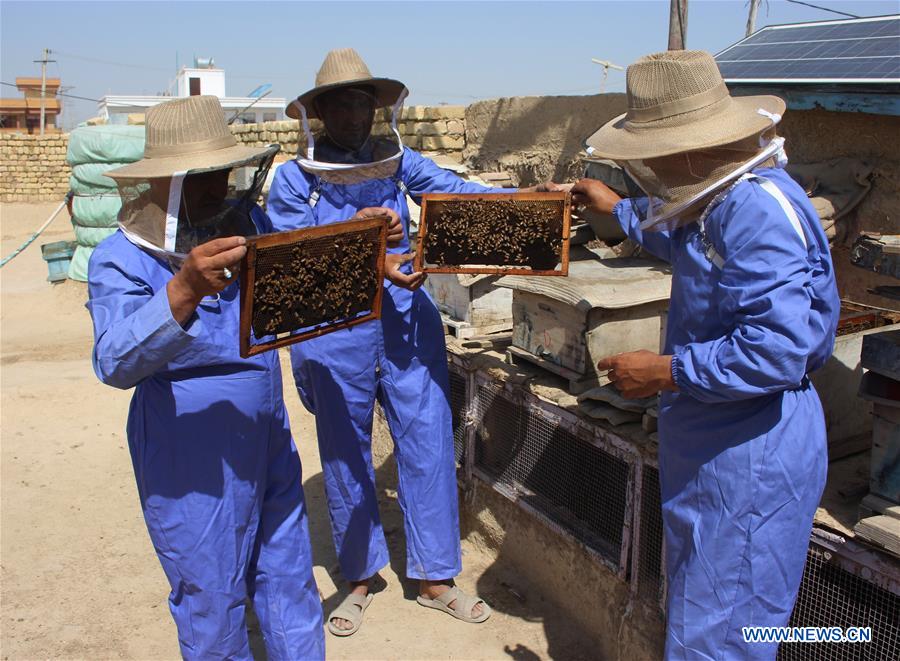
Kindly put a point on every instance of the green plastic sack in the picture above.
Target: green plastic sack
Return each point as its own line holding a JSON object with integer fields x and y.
{"x": 96, "y": 210}
{"x": 88, "y": 178}
{"x": 107, "y": 143}
{"x": 78, "y": 267}
{"x": 92, "y": 236}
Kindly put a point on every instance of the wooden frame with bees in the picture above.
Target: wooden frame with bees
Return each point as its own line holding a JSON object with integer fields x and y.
{"x": 305, "y": 283}
{"x": 494, "y": 233}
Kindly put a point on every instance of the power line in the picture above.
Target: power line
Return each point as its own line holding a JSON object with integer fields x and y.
{"x": 130, "y": 65}
{"x": 68, "y": 96}
{"x": 833, "y": 11}
{"x": 112, "y": 63}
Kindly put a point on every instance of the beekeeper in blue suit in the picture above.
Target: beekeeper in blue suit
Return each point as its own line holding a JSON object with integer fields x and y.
{"x": 754, "y": 307}
{"x": 400, "y": 359}
{"x": 218, "y": 475}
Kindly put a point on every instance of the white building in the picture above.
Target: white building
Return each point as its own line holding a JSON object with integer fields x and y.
{"x": 202, "y": 78}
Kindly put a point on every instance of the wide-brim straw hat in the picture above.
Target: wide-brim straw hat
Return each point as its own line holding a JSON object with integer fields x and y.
{"x": 343, "y": 67}
{"x": 678, "y": 102}
{"x": 188, "y": 134}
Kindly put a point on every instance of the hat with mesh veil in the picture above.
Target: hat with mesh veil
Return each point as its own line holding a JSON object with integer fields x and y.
{"x": 343, "y": 67}
{"x": 678, "y": 102}
{"x": 188, "y": 134}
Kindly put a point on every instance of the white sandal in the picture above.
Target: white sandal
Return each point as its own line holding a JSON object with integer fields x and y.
{"x": 352, "y": 609}
{"x": 464, "y": 605}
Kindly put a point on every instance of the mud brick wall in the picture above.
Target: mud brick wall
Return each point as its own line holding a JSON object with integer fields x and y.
{"x": 535, "y": 138}
{"x": 33, "y": 168}
{"x": 426, "y": 128}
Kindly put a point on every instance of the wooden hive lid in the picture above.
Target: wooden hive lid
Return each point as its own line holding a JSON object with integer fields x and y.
{"x": 601, "y": 283}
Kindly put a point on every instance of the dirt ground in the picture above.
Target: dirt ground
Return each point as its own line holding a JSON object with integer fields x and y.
{"x": 79, "y": 576}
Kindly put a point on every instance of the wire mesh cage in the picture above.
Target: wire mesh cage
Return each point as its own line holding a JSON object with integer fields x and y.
{"x": 508, "y": 233}
{"x": 648, "y": 569}
{"x": 459, "y": 408}
{"x": 845, "y": 589}
{"x": 305, "y": 283}
{"x": 546, "y": 462}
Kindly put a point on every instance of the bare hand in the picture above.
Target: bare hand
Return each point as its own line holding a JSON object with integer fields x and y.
{"x": 395, "y": 225}
{"x": 392, "y": 264}
{"x": 208, "y": 269}
{"x": 595, "y": 195}
{"x": 547, "y": 187}
{"x": 639, "y": 374}
{"x": 552, "y": 187}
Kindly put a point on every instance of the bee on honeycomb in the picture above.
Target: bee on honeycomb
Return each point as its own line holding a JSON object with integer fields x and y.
{"x": 513, "y": 233}
{"x": 320, "y": 282}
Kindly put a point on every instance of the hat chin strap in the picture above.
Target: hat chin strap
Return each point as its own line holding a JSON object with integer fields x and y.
{"x": 175, "y": 186}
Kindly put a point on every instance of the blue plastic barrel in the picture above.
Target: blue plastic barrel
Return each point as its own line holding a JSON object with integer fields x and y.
{"x": 58, "y": 255}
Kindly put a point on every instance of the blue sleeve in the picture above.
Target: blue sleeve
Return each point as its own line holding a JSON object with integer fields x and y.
{"x": 422, "y": 175}
{"x": 657, "y": 242}
{"x": 135, "y": 334}
{"x": 261, "y": 220}
{"x": 288, "y": 202}
{"x": 764, "y": 290}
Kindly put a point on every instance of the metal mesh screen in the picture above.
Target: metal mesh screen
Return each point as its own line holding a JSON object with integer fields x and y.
{"x": 458, "y": 410}
{"x": 315, "y": 282}
{"x": 831, "y": 596}
{"x": 576, "y": 484}
{"x": 650, "y": 572}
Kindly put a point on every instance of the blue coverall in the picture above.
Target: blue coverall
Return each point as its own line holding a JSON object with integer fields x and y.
{"x": 217, "y": 472}
{"x": 742, "y": 446}
{"x": 400, "y": 359}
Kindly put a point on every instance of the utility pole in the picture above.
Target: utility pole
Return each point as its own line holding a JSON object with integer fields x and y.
{"x": 751, "y": 19}
{"x": 44, "y": 62}
{"x": 677, "y": 24}
{"x": 607, "y": 65}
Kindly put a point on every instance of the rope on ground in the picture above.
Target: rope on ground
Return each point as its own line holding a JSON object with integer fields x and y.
{"x": 38, "y": 233}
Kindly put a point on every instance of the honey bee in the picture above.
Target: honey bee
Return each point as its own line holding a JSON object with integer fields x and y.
{"x": 320, "y": 282}
{"x": 512, "y": 233}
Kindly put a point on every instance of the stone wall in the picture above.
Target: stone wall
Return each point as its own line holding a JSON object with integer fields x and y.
{"x": 33, "y": 168}
{"x": 426, "y": 128}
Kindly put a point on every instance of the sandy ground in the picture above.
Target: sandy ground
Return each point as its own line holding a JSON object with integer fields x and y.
{"x": 79, "y": 576}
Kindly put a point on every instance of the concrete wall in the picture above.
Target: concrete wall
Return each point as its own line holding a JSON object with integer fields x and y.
{"x": 33, "y": 168}
{"x": 535, "y": 138}
{"x": 820, "y": 135}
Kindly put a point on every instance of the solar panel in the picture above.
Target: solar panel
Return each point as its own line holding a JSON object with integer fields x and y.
{"x": 860, "y": 50}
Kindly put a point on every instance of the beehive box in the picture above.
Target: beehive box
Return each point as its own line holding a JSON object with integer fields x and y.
{"x": 494, "y": 233}
{"x": 604, "y": 307}
{"x": 471, "y": 305}
{"x": 848, "y": 419}
{"x": 884, "y": 475}
{"x": 305, "y": 283}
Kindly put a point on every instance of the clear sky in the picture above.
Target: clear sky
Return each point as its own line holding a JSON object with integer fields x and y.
{"x": 446, "y": 52}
